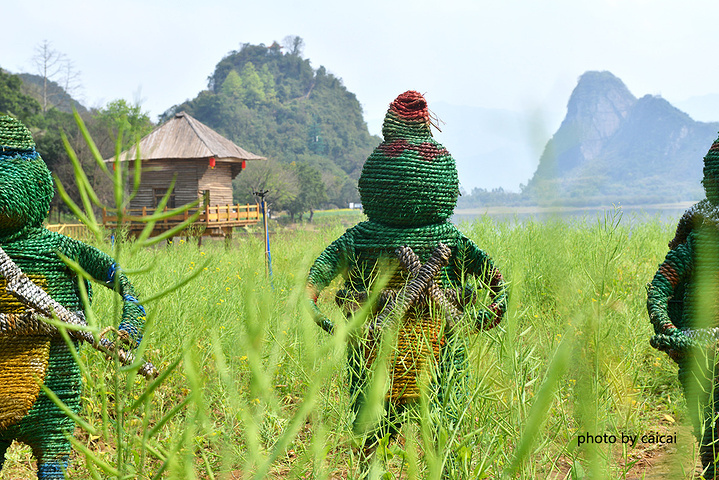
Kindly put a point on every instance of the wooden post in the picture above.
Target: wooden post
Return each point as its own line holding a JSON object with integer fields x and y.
{"x": 228, "y": 237}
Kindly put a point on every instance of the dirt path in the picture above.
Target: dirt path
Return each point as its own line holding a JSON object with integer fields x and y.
{"x": 647, "y": 461}
{"x": 667, "y": 461}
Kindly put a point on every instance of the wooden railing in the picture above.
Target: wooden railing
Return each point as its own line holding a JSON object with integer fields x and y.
{"x": 210, "y": 216}
{"x": 77, "y": 231}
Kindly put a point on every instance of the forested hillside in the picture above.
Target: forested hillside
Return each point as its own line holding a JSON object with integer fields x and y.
{"x": 57, "y": 97}
{"x": 275, "y": 104}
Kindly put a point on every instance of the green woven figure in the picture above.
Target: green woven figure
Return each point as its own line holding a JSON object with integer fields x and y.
{"x": 30, "y": 351}
{"x": 683, "y": 305}
{"x": 409, "y": 189}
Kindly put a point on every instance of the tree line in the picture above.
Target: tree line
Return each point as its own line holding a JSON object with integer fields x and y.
{"x": 267, "y": 99}
{"x": 44, "y": 106}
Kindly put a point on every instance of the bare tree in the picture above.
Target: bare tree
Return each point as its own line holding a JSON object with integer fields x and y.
{"x": 54, "y": 66}
{"x": 49, "y": 63}
{"x": 293, "y": 44}
{"x": 70, "y": 78}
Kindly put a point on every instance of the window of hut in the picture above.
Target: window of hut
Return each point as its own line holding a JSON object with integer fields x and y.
{"x": 158, "y": 193}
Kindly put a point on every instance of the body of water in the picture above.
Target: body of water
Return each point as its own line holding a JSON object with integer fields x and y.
{"x": 668, "y": 213}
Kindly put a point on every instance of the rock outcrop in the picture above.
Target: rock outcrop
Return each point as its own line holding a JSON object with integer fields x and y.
{"x": 612, "y": 147}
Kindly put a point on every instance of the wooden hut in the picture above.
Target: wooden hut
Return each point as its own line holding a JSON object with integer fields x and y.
{"x": 203, "y": 163}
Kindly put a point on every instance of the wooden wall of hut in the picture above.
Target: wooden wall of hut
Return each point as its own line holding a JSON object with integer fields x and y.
{"x": 218, "y": 181}
{"x": 157, "y": 176}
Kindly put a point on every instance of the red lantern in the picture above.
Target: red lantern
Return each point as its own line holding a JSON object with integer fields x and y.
{"x": 243, "y": 164}
{"x": 212, "y": 162}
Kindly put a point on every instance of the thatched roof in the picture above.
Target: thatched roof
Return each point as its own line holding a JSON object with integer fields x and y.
{"x": 183, "y": 137}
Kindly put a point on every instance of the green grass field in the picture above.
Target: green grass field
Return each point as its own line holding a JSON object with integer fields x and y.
{"x": 252, "y": 388}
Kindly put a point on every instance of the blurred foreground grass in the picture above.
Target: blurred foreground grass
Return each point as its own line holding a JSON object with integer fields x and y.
{"x": 259, "y": 391}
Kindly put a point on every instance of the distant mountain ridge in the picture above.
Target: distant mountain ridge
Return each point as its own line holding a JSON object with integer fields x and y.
{"x": 57, "y": 96}
{"x": 612, "y": 147}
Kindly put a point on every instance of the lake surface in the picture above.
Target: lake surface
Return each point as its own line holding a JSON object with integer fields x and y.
{"x": 667, "y": 212}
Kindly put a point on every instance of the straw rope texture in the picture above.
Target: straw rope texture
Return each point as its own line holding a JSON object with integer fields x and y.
{"x": 32, "y": 354}
{"x": 409, "y": 189}
{"x": 683, "y": 306}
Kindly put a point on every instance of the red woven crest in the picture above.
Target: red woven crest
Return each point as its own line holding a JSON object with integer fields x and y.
{"x": 410, "y": 105}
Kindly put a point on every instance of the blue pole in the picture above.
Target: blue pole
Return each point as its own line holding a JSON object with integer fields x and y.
{"x": 268, "y": 255}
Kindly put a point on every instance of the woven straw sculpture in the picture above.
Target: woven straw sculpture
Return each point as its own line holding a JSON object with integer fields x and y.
{"x": 409, "y": 189}
{"x": 31, "y": 353}
{"x": 683, "y": 305}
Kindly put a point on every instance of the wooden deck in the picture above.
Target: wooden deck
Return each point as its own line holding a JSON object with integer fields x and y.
{"x": 214, "y": 220}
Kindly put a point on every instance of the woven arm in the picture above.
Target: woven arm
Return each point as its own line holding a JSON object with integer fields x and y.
{"x": 686, "y": 223}
{"x": 474, "y": 261}
{"x": 103, "y": 268}
{"x": 674, "y": 271}
{"x": 331, "y": 262}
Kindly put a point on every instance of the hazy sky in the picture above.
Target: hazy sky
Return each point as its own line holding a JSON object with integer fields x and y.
{"x": 517, "y": 55}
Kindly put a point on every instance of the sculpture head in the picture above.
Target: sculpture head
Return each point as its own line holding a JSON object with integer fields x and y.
{"x": 711, "y": 173}
{"x": 410, "y": 179}
{"x": 25, "y": 182}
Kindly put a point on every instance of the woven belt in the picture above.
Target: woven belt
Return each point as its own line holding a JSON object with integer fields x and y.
{"x": 28, "y": 323}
